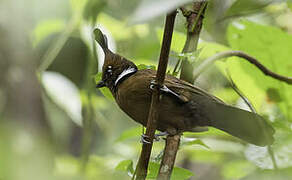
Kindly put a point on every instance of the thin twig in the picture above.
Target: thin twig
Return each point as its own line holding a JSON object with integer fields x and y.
{"x": 143, "y": 162}
{"x": 236, "y": 89}
{"x": 272, "y": 155}
{"x": 243, "y": 55}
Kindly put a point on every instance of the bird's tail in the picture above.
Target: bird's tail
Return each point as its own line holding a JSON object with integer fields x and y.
{"x": 245, "y": 125}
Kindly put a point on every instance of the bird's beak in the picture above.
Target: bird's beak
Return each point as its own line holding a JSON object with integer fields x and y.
{"x": 100, "y": 84}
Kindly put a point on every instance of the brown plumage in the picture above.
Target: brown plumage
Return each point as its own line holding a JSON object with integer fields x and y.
{"x": 188, "y": 110}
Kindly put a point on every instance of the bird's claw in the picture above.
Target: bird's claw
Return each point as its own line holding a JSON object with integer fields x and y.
{"x": 143, "y": 139}
{"x": 153, "y": 84}
{"x": 165, "y": 89}
{"x": 156, "y": 137}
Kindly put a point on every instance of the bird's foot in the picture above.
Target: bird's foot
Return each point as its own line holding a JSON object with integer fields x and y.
{"x": 156, "y": 137}
{"x": 165, "y": 89}
{"x": 143, "y": 139}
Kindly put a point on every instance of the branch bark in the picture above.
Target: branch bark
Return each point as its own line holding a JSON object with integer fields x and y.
{"x": 143, "y": 162}
{"x": 168, "y": 158}
{"x": 243, "y": 55}
{"x": 194, "y": 18}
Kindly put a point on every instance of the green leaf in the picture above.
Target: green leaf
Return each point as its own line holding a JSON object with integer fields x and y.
{"x": 46, "y": 28}
{"x": 177, "y": 173}
{"x": 105, "y": 91}
{"x": 149, "y": 9}
{"x": 153, "y": 169}
{"x": 280, "y": 174}
{"x": 119, "y": 29}
{"x": 144, "y": 66}
{"x": 130, "y": 133}
{"x": 92, "y": 8}
{"x": 281, "y": 148}
{"x": 289, "y": 4}
{"x": 237, "y": 169}
{"x": 246, "y": 7}
{"x": 67, "y": 165}
{"x": 177, "y": 42}
{"x": 272, "y": 47}
{"x": 195, "y": 142}
{"x": 64, "y": 93}
{"x": 228, "y": 95}
{"x": 126, "y": 166}
{"x": 77, "y": 5}
{"x": 181, "y": 173}
{"x": 98, "y": 167}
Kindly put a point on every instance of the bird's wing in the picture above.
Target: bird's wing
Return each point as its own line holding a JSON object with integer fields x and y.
{"x": 186, "y": 89}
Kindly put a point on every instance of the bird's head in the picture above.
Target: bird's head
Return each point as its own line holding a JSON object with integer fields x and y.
{"x": 115, "y": 68}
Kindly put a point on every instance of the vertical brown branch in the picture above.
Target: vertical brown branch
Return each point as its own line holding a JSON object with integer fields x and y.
{"x": 143, "y": 162}
{"x": 169, "y": 155}
{"x": 194, "y": 18}
{"x": 194, "y": 25}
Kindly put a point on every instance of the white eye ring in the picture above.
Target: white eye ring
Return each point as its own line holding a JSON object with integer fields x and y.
{"x": 109, "y": 70}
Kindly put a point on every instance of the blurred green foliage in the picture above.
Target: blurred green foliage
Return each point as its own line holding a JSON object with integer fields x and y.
{"x": 56, "y": 125}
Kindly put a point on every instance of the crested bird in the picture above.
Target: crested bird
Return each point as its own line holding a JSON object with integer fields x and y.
{"x": 183, "y": 106}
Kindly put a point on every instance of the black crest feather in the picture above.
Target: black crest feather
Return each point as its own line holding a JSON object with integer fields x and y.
{"x": 100, "y": 38}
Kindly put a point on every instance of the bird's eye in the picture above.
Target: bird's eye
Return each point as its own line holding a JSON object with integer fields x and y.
{"x": 109, "y": 70}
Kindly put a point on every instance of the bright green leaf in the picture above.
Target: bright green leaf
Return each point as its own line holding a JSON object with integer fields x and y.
{"x": 280, "y": 174}
{"x": 130, "y": 133}
{"x": 237, "y": 169}
{"x": 177, "y": 42}
{"x": 272, "y": 47}
{"x": 126, "y": 166}
{"x": 67, "y": 165}
{"x": 46, "y": 28}
{"x": 144, "y": 66}
{"x": 153, "y": 169}
{"x": 77, "y": 5}
{"x": 228, "y": 95}
{"x": 281, "y": 148}
{"x": 246, "y": 7}
{"x": 66, "y": 97}
{"x": 289, "y": 4}
{"x": 92, "y": 8}
{"x": 181, "y": 173}
{"x": 195, "y": 142}
{"x": 99, "y": 167}
{"x": 119, "y": 29}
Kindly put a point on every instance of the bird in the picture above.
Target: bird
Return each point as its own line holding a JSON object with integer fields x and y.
{"x": 184, "y": 107}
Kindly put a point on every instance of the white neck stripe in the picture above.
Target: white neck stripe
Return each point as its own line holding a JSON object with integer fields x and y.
{"x": 125, "y": 73}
